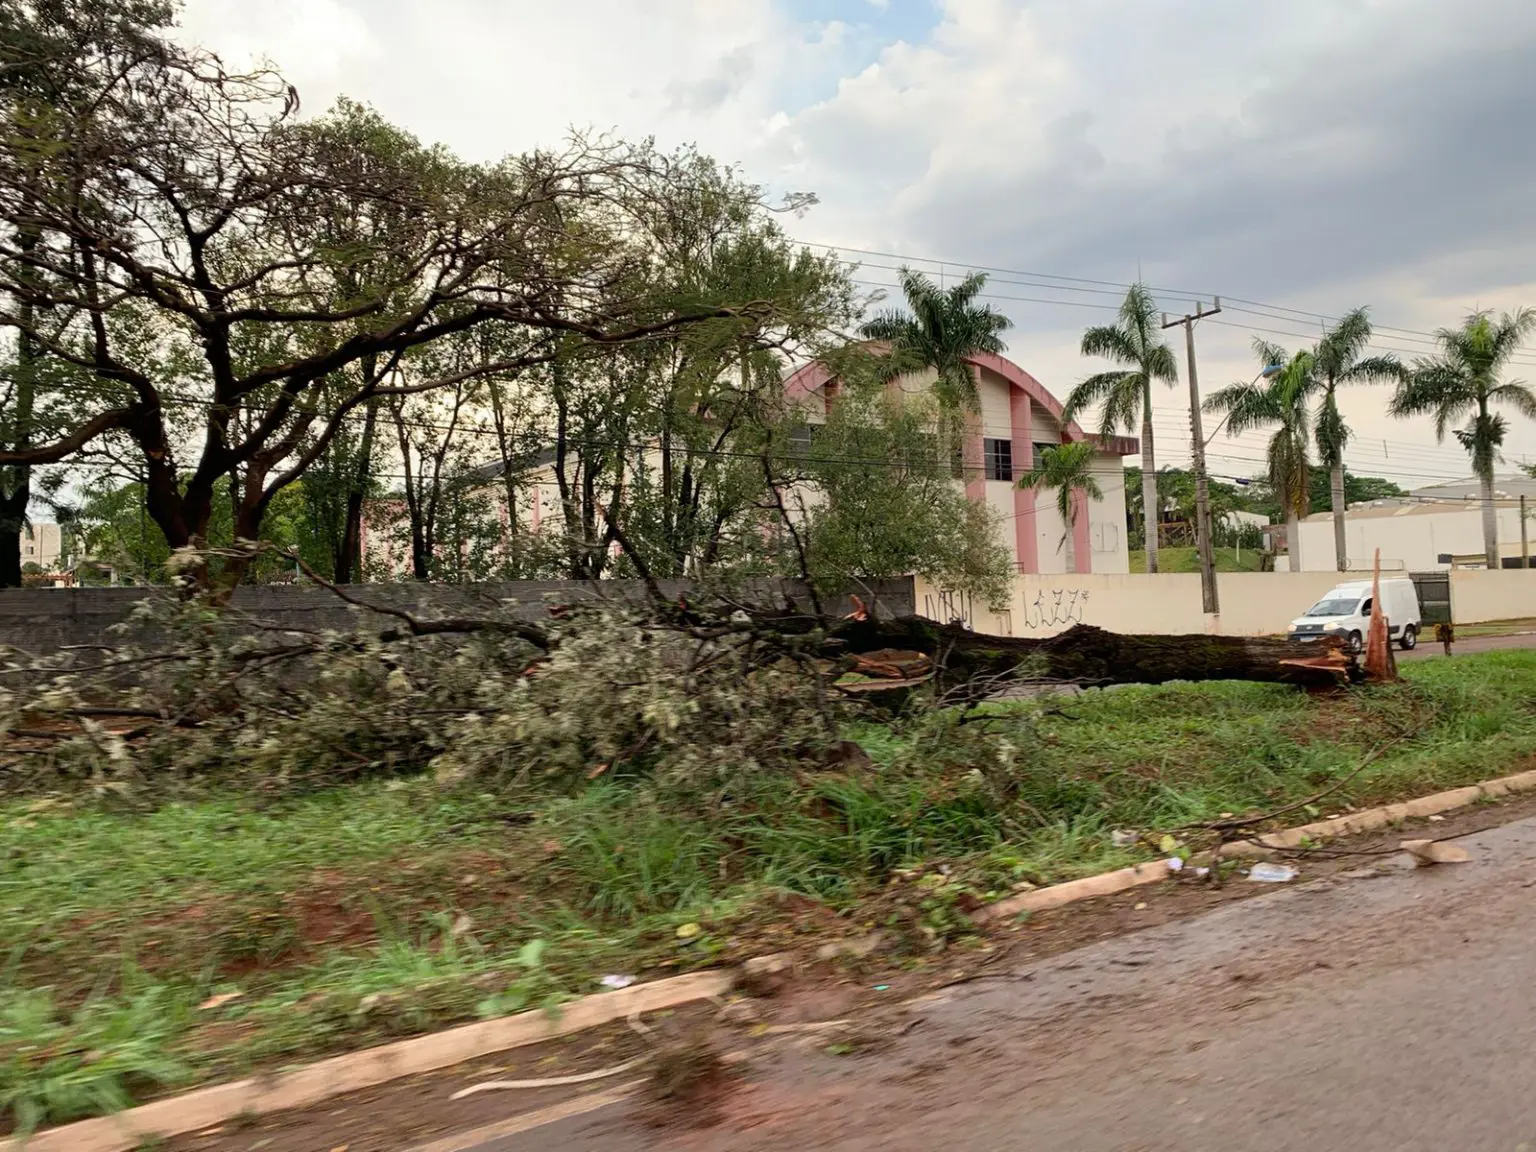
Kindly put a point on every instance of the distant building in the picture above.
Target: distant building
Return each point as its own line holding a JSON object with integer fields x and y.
{"x": 1426, "y": 531}
{"x": 1019, "y": 419}
{"x": 41, "y": 544}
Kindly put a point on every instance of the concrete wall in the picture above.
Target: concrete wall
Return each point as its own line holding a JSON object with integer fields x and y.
{"x": 44, "y": 620}
{"x": 1252, "y": 603}
{"x": 1416, "y": 536}
{"x": 1477, "y": 596}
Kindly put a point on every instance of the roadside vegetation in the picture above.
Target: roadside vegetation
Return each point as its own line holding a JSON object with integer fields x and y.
{"x": 1188, "y": 560}
{"x": 181, "y": 929}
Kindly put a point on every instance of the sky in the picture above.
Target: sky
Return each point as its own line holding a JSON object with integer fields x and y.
{"x": 1297, "y": 159}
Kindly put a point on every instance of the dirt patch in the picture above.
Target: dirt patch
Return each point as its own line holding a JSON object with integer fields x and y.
{"x": 689, "y": 1083}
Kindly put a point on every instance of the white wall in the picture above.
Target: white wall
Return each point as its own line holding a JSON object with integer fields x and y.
{"x": 1476, "y": 596}
{"x": 1415, "y": 538}
{"x": 1106, "y": 517}
{"x": 1252, "y": 603}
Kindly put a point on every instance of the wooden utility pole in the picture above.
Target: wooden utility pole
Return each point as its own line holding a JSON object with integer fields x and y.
{"x": 1203, "y": 535}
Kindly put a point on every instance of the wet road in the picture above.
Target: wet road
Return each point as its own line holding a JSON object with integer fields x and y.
{"x": 1388, "y": 1009}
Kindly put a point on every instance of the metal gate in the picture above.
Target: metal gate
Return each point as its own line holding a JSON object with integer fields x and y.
{"x": 1434, "y": 589}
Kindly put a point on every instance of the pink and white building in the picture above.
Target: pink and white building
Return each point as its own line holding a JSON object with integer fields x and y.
{"x": 1018, "y": 419}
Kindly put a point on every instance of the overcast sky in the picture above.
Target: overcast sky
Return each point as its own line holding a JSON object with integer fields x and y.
{"x": 1308, "y": 155}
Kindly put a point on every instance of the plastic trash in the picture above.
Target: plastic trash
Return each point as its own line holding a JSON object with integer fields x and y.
{"x": 1124, "y": 838}
{"x": 1266, "y": 873}
{"x": 616, "y": 980}
{"x": 1175, "y": 864}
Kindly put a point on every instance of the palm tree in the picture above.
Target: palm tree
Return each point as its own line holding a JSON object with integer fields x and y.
{"x": 1277, "y": 398}
{"x": 1463, "y": 381}
{"x": 1339, "y": 361}
{"x": 1066, "y": 469}
{"x": 1135, "y": 342}
{"x": 944, "y": 327}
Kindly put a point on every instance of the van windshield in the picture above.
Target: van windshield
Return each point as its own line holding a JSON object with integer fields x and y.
{"x": 1333, "y": 608}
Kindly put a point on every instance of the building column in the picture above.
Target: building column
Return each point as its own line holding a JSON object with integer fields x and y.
{"x": 1082, "y": 551}
{"x": 1026, "y": 537}
{"x": 975, "y": 470}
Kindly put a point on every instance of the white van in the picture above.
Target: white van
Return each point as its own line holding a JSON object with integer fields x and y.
{"x": 1346, "y": 612}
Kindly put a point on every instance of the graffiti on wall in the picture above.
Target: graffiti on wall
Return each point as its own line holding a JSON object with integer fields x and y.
{"x": 950, "y": 608}
{"x": 1055, "y": 606}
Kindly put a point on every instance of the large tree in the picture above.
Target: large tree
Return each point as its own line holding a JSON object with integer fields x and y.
{"x": 1124, "y": 394}
{"x": 1340, "y": 360}
{"x": 41, "y": 44}
{"x": 1277, "y": 399}
{"x": 234, "y": 293}
{"x": 1465, "y": 382}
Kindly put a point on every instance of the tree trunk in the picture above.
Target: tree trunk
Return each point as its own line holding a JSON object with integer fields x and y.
{"x": 16, "y": 490}
{"x": 349, "y": 556}
{"x": 1340, "y": 547}
{"x": 1088, "y": 655}
{"x": 1149, "y": 508}
{"x": 1490, "y": 523}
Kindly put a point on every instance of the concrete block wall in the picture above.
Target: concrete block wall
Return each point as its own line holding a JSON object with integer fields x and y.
{"x": 45, "y": 620}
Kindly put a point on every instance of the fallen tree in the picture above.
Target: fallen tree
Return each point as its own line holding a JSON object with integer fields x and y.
{"x": 1088, "y": 655}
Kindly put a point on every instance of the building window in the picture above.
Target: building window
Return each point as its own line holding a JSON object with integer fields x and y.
{"x": 1039, "y": 452}
{"x": 997, "y": 456}
{"x": 802, "y": 438}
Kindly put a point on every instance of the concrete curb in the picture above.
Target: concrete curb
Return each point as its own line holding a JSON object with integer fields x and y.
{"x": 220, "y": 1103}
{"x": 1108, "y": 883}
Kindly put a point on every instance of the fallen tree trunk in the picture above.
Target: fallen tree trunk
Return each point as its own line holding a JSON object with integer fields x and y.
{"x": 1088, "y": 655}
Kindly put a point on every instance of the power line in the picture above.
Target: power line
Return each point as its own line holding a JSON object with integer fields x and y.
{"x": 1053, "y": 282}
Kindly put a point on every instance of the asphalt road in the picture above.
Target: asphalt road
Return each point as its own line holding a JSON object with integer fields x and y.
{"x": 1386, "y": 1009}
{"x": 1427, "y": 646}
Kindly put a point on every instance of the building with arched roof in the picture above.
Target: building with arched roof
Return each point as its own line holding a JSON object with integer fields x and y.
{"x": 1018, "y": 418}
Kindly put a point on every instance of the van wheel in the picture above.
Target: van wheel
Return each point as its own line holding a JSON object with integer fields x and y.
{"x": 1355, "y": 642}
{"x": 1410, "y": 638}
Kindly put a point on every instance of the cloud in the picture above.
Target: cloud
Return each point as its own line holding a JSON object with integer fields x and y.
{"x": 708, "y": 94}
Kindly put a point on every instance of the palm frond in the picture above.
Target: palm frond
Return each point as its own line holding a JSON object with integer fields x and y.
{"x": 1246, "y": 405}
{"x": 1374, "y": 370}
{"x": 1268, "y": 352}
{"x": 1517, "y": 395}
{"x": 1161, "y": 365}
{"x": 1343, "y": 343}
{"x": 1103, "y": 388}
{"x": 1113, "y": 343}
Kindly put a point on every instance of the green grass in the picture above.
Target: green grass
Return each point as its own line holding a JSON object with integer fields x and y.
{"x": 1188, "y": 560}
{"x": 386, "y": 908}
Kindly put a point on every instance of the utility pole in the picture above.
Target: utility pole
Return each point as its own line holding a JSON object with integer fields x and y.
{"x": 1525, "y": 539}
{"x": 1203, "y": 535}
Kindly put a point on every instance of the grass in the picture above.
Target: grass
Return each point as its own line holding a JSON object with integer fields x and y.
{"x": 150, "y": 950}
{"x": 1188, "y": 560}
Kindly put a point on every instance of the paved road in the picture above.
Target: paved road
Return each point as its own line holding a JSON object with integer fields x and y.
{"x": 1387, "y": 1009}
{"x": 1428, "y": 647}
